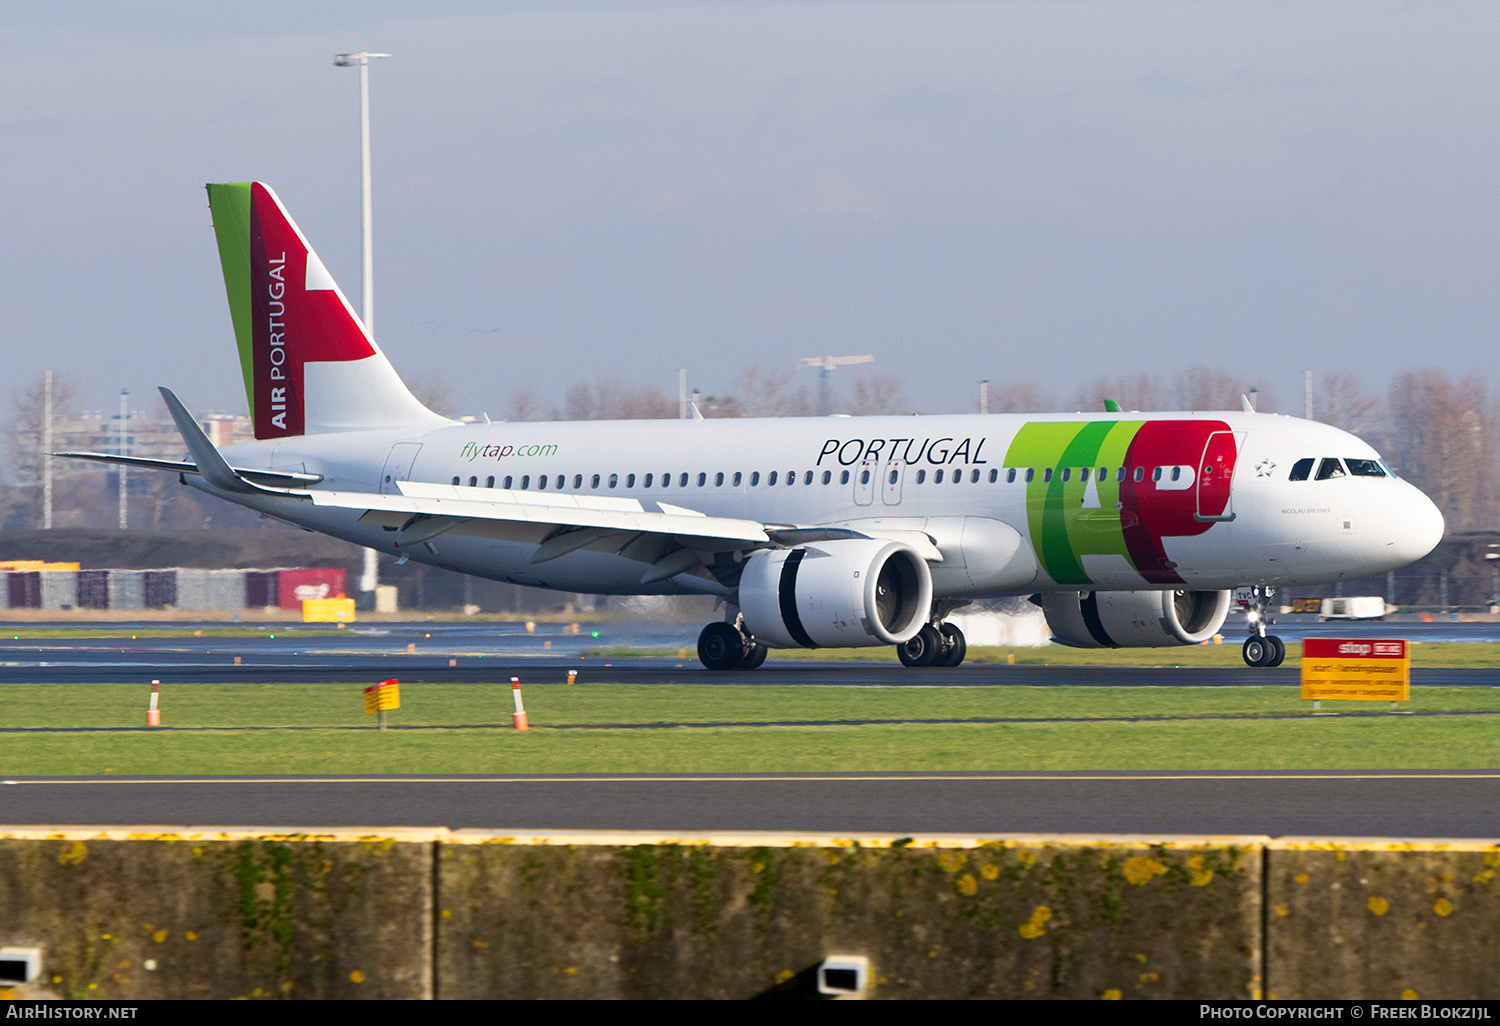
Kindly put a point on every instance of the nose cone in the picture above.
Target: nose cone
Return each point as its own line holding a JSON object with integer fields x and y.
{"x": 1419, "y": 527}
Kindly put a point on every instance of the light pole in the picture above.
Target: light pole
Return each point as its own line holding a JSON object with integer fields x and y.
{"x": 369, "y": 579}
{"x": 367, "y": 241}
{"x": 124, "y": 414}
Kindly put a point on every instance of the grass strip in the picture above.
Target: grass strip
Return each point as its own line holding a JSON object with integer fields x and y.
{"x": 1053, "y": 728}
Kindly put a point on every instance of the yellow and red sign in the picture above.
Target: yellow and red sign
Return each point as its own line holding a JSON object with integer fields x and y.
{"x": 1362, "y": 670}
{"x": 382, "y": 696}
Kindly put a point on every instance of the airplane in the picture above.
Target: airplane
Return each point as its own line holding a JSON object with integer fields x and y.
{"x": 1127, "y": 529}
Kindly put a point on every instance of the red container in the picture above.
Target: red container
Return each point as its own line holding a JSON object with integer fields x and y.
{"x": 297, "y": 586}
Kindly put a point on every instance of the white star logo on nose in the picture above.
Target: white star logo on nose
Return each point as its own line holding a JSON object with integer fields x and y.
{"x": 1264, "y": 468}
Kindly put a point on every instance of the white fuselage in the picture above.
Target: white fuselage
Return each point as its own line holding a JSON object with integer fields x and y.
{"x": 880, "y": 475}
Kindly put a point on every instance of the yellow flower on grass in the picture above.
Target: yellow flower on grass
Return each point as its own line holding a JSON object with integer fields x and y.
{"x": 967, "y": 884}
{"x": 1444, "y": 907}
{"x": 989, "y": 872}
{"x": 1112, "y": 994}
{"x": 1378, "y": 905}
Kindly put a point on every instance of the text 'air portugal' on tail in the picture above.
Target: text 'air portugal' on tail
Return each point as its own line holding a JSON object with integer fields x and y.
{"x": 309, "y": 365}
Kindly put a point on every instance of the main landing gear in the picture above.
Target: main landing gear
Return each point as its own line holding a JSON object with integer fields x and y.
{"x": 1260, "y": 649}
{"x": 939, "y": 644}
{"x": 725, "y": 646}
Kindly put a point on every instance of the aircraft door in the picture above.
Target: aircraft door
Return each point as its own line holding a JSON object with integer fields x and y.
{"x": 864, "y": 482}
{"x": 398, "y": 466}
{"x": 1215, "y": 475}
{"x": 890, "y": 482}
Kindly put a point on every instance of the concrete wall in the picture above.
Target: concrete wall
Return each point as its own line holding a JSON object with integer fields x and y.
{"x": 147, "y": 914}
{"x": 143, "y": 913}
{"x": 1383, "y": 919}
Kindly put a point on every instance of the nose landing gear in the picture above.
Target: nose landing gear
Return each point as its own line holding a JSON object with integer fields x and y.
{"x": 1260, "y": 649}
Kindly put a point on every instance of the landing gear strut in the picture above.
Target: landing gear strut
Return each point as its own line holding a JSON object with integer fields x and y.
{"x": 725, "y": 646}
{"x": 939, "y": 644}
{"x": 1260, "y": 649}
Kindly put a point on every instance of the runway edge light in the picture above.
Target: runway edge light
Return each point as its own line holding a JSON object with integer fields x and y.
{"x": 153, "y": 713}
{"x": 519, "y": 716}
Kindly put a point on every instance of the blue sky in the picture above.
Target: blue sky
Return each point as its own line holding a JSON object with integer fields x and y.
{"x": 1040, "y": 192}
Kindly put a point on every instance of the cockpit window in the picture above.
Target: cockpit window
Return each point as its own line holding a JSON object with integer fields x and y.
{"x": 1364, "y": 468}
{"x": 1329, "y": 469}
{"x": 1301, "y": 469}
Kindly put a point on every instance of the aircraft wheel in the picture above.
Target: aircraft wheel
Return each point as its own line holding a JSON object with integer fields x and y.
{"x": 721, "y": 646}
{"x": 1257, "y": 651}
{"x": 954, "y": 646}
{"x": 924, "y": 649}
{"x": 754, "y": 657}
{"x": 1278, "y": 654}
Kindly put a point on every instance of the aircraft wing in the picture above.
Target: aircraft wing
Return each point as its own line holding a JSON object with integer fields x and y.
{"x": 670, "y": 539}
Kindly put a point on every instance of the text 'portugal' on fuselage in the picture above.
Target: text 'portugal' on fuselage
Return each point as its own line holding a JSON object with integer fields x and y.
{"x": 1127, "y": 529}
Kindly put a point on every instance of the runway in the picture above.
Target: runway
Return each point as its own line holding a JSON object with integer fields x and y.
{"x": 1399, "y": 804}
{"x": 1391, "y": 804}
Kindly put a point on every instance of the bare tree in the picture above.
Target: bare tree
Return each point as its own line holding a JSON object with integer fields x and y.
{"x": 1019, "y": 398}
{"x": 1347, "y": 406}
{"x": 877, "y": 394}
{"x": 1140, "y": 393}
{"x": 1445, "y": 437}
{"x": 525, "y": 404}
{"x": 432, "y": 392}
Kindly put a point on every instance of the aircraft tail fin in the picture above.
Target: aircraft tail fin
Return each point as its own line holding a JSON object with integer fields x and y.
{"x": 308, "y": 363}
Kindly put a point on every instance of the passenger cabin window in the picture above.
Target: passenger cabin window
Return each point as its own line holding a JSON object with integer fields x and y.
{"x": 1329, "y": 469}
{"x": 666, "y": 480}
{"x": 577, "y": 482}
{"x": 770, "y": 480}
{"x": 473, "y": 481}
{"x": 1029, "y": 473}
{"x": 541, "y": 481}
{"x": 525, "y": 481}
{"x": 647, "y": 481}
{"x": 1046, "y": 475}
{"x": 1364, "y": 468}
{"x": 974, "y": 477}
{"x": 864, "y": 477}
{"x": 754, "y": 478}
{"x": 1010, "y": 476}
{"x": 489, "y": 482}
{"x": 921, "y": 476}
{"x": 629, "y": 480}
{"x": 1066, "y": 472}
{"x": 702, "y": 480}
{"x": 791, "y": 477}
{"x": 894, "y": 474}
{"x": 507, "y": 482}
{"x": 614, "y": 479}
{"x": 455, "y": 481}
{"x": 1083, "y": 475}
{"x": 827, "y": 476}
{"x": 719, "y": 479}
{"x": 737, "y": 476}
{"x": 844, "y": 477}
{"x": 1120, "y": 474}
{"x": 807, "y": 478}
{"x": 995, "y": 475}
{"x": 682, "y": 481}
{"x": 937, "y": 477}
{"x": 593, "y": 482}
{"x": 1140, "y": 473}
{"x": 1156, "y": 474}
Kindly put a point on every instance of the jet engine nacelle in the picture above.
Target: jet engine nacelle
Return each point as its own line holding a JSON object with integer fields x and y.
{"x": 855, "y": 592}
{"x": 1134, "y": 619}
